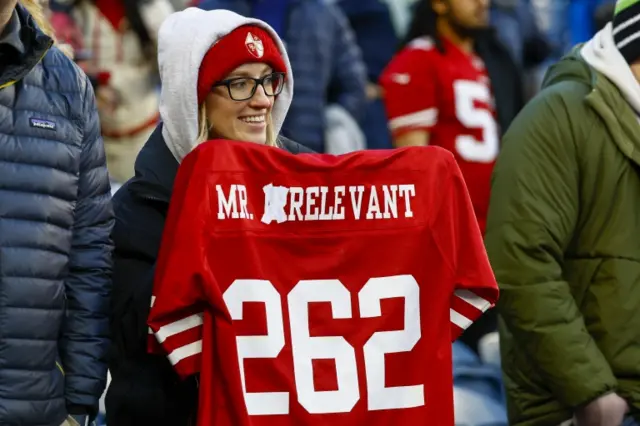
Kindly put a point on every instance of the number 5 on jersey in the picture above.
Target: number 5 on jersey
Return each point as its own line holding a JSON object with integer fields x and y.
{"x": 470, "y": 149}
{"x": 306, "y": 348}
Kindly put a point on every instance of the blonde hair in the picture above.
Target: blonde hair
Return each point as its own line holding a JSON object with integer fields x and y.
{"x": 38, "y": 10}
{"x": 204, "y": 127}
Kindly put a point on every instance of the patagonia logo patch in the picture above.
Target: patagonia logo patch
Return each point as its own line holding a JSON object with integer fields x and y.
{"x": 42, "y": 124}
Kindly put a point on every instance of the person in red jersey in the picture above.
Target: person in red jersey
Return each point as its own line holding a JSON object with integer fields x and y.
{"x": 438, "y": 90}
{"x": 454, "y": 85}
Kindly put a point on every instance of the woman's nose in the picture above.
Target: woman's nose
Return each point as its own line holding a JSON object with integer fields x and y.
{"x": 260, "y": 98}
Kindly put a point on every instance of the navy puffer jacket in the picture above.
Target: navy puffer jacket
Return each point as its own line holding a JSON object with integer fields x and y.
{"x": 55, "y": 249}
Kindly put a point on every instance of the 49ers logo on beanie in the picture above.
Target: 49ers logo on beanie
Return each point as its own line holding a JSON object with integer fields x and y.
{"x": 254, "y": 45}
{"x": 228, "y": 53}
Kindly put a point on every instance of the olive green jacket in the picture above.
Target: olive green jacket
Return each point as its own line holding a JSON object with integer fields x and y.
{"x": 563, "y": 237}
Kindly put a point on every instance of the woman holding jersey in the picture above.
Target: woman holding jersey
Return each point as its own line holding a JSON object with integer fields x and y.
{"x": 223, "y": 76}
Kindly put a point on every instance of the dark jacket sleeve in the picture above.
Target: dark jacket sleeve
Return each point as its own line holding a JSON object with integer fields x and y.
{"x": 144, "y": 387}
{"x": 533, "y": 215}
{"x": 85, "y": 339}
{"x": 349, "y": 75}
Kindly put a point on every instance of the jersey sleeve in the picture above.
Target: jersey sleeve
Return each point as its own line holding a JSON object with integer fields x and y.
{"x": 182, "y": 271}
{"x": 458, "y": 236}
{"x": 409, "y": 89}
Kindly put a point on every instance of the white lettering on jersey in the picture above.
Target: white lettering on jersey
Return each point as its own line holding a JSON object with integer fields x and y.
{"x": 390, "y": 201}
{"x": 233, "y": 206}
{"x": 312, "y": 210}
{"x": 324, "y": 214}
{"x": 289, "y": 204}
{"x": 338, "y": 208}
{"x": 356, "y": 205}
{"x": 374, "y": 206}
{"x": 408, "y": 191}
{"x": 295, "y": 205}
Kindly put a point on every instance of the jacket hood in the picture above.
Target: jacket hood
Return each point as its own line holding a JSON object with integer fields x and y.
{"x": 602, "y": 54}
{"x": 598, "y": 55}
{"x": 608, "y": 90}
{"x": 183, "y": 40}
{"x": 570, "y": 68}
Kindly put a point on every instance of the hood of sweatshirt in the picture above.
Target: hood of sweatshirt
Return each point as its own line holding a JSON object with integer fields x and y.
{"x": 602, "y": 54}
{"x": 183, "y": 40}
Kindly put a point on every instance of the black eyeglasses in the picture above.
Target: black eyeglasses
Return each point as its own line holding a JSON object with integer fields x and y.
{"x": 243, "y": 88}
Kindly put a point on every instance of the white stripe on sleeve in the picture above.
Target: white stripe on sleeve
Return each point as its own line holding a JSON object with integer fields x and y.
{"x": 185, "y": 351}
{"x": 179, "y": 326}
{"x": 473, "y": 299}
{"x": 459, "y": 320}
{"x": 424, "y": 118}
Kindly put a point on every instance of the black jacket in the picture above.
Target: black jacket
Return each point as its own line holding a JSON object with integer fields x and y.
{"x": 505, "y": 76}
{"x": 144, "y": 388}
{"x": 508, "y": 91}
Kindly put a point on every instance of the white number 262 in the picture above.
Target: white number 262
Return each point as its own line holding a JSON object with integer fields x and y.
{"x": 306, "y": 348}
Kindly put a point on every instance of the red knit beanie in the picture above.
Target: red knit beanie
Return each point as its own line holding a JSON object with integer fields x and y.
{"x": 248, "y": 43}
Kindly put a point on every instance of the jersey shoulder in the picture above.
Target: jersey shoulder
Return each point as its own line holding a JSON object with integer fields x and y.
{"x": 436, "y": 163}
{"x": 434, "y": 171}
{"x": 412, "y": 63}
{"x": 426, "y": 49}
{"x": 419, "y": 49}
{"x": 422, "y": 44}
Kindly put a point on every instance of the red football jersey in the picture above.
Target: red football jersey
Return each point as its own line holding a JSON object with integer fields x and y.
{"x": 449, "y": 95}
{"x": 317, "y": 289}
